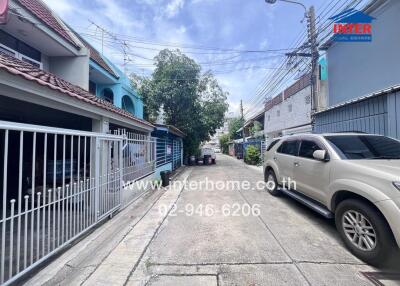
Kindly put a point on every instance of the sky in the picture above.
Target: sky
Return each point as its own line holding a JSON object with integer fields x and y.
{"x": 219, "y": 34}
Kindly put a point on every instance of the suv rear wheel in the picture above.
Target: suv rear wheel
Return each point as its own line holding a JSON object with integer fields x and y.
{"x": 271, "y": 183}
{"x": 364, "y": 231}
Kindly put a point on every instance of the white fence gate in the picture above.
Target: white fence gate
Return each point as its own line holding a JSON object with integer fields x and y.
{"x": 56, "y": 184}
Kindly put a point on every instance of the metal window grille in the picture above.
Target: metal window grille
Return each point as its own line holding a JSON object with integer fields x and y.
{"x": 164, "y": 151}
{"x": 176, "y": 154}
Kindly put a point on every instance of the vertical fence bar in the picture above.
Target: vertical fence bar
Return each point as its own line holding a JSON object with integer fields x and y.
{"x": 71, "y": 186}
{"x": 21, "y": 158}
{"x": 97, "y": 179}
{"x": 44, "y": 192}
{"x": 38, "y": 226}
{"x": 3, "y": 227}
{"x": 63, "y": 191}
{"x": 48, "y": 219}
{"x": 67, "y": 215}
{"x": 33, "y": 193}
{"x": 78, "y": 177}
{"x": 54, "y": 190}
{"x": 84, "y": 184}
{"x": 11, "y": 239}
{"x": 26, "y": 231}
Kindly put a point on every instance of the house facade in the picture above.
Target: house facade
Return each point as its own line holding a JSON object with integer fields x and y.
{"x": 290, "y": 111}
{"x": 108, "y": 82}
{"x": 169, "y": 148}
{"x": 72, "y": 138}
{"x": 363, "y": 81}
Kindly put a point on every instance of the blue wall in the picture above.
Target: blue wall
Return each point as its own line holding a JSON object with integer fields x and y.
{"x": 369, "y": 116}
{"x": 120, "y": 87}
{"x": 358, "y": 69}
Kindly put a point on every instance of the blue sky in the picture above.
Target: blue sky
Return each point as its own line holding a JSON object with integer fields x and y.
{"x": 225, "y": 24}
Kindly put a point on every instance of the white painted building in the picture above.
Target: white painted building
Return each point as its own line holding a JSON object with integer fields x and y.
{"x": 290, "y": 111}
{"x": 214, "y": 141}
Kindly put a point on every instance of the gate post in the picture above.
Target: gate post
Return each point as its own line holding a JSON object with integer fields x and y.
{"x": 97, "y": 178}
{"x": 121, "y": 170}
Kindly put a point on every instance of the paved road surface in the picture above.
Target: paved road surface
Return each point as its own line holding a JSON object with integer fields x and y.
{"x": 207, "y": 240}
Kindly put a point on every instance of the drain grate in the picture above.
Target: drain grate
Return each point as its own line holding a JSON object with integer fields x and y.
{"x": 383, "y": 278}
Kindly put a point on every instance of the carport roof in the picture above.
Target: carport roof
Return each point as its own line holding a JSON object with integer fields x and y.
{"x": 172, "y": 129}
{"x": 31, "y": 73}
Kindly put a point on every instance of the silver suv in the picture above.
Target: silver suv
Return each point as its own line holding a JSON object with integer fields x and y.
{"x": 352, "y": 177}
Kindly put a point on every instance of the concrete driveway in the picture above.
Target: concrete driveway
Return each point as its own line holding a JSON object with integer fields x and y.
{"x": 230, "y": 235}
{"x": 286, "y": 244}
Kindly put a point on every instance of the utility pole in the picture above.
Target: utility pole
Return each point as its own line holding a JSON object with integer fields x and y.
{"x": 312, "y": 38}
{"x": 314, "y": 55}
{"x": 242, "y": 116}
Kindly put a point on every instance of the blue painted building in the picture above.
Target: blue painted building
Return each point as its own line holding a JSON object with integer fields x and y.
{"x": 363, "y": 78}
{"x": 169, "y": 148}
{"x": 108, "y": 82}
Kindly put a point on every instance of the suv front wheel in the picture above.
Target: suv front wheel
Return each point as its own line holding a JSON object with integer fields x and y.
{"x": 364, "y": 231}
{"x": 272, "y": 183}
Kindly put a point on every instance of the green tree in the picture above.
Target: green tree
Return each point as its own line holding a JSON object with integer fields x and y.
{"x": 145, "y": 88}
{"x": 191, "y": 101}
{"x": 257, "y": 126}
{"x": 224, "y": 143}
{"x": 234, "y": 125}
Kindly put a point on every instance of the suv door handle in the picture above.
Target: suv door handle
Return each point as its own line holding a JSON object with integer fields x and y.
{"x": 296, "y": 164}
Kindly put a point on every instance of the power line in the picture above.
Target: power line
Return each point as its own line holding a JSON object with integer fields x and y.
{"x": 260, "y": 92}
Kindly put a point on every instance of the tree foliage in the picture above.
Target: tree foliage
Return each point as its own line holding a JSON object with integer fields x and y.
{"x": 234, "y": 125}
{"x": 224, "y": 143}
{"x": 257, "y": 126}
{"x": 191, "y": 101}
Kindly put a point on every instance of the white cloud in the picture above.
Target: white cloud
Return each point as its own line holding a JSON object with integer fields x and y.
{"x": 61, "y": 7}
{"x": 264, "y": 44}
{"x": 173, "y": 8}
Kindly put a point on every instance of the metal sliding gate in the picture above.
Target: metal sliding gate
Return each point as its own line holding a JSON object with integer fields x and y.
{"x": 108, "y": 170}
{"x": 56, "y": 184}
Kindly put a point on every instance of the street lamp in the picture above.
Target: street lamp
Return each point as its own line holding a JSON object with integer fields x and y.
{"x": 292, "y": 2}
{"x": 312, "y": 39}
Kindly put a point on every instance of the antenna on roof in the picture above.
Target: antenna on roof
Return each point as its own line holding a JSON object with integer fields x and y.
{"x": 123, "y": 43}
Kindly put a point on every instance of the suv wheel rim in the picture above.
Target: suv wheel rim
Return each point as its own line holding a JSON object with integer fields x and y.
{"x": 359, "y": 230}
{"x": 270, "y": 180}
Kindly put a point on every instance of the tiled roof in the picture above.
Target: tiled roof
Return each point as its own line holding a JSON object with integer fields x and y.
{"x": 37, "y": 8}
{"x": 97, "y": 58}
{"x": 29, "y": 72}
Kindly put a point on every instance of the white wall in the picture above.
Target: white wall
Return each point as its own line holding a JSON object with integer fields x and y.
{"x": 72, "y": 69}
{"x": 300, "y": 114}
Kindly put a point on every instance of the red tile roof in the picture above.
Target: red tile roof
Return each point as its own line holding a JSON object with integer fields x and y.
{"x": 45, "y": 15}
{"x": 29, "y": 72}
{"x": 41, "y": 11}
{"x": 97, "y": 58}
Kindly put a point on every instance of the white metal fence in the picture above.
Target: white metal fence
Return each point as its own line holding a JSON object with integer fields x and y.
{"x": 138, "y": 161}
{"x": 56, "y": 184}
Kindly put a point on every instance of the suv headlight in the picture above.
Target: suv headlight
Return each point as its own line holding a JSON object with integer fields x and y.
{"x": 397, "y": 185}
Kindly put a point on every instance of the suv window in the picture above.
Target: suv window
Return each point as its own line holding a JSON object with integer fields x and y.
{"x": 289, "y": 147}
{"x": 365, "y": 146}
{"x": 272, "y": 144}
{"x": 307, "y": 148}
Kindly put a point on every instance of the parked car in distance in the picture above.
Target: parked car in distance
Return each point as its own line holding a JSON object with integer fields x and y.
{"x": 217, "y": 150}
{"x": 208, "y": 151}
{"x": 353, "y": 178}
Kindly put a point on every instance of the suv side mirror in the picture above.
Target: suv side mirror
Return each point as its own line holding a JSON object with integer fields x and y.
{"x": 320, "y": 155}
